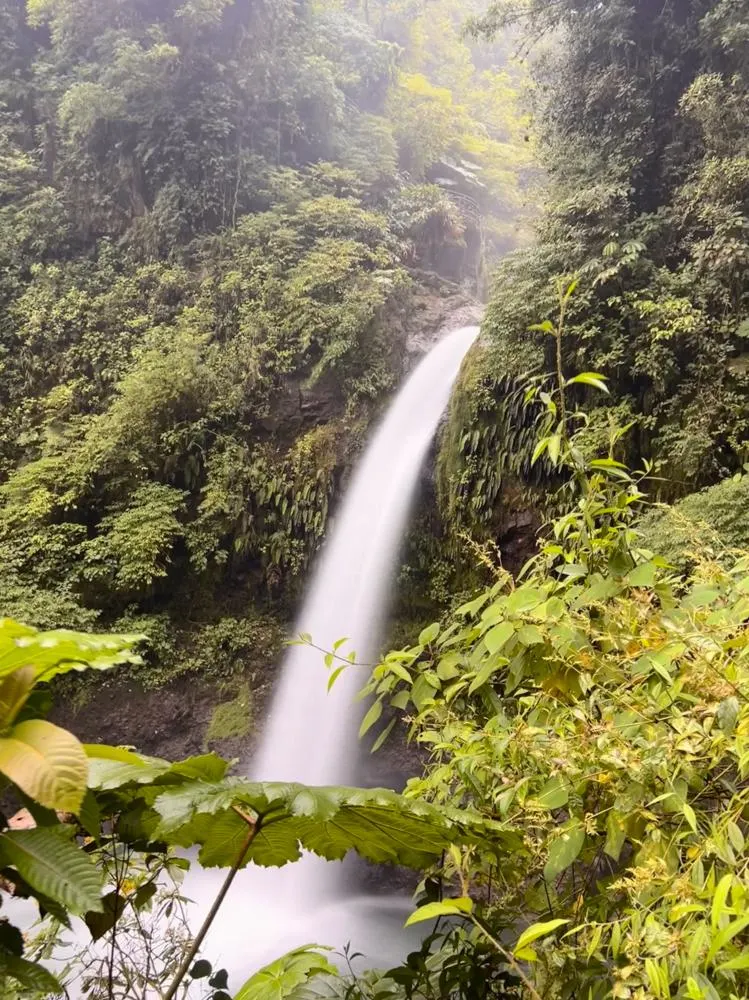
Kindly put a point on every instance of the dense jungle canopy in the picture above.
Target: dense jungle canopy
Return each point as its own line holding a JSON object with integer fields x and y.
{"x": 216, "y": 219}
{"x": 226, "y": 226}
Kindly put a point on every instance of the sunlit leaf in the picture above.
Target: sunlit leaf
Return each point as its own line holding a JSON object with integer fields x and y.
{"x": 445, "y": 908}
{"x": 47, "y": 763}
{"x": 589, "y": 378}
{"x": 536, "y": 931}
{"x": 30, "y": 975}
{"x": 281, "y": 979}
{"x": 565, "y": 849}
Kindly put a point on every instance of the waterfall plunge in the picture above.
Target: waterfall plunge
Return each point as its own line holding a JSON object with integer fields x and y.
{"x": 311, "y": 733}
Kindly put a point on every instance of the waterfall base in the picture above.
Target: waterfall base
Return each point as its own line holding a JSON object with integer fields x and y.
{"x": 266, "y": 916}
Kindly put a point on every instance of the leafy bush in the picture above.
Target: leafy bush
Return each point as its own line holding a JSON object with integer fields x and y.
{"x": 646, "y": 202}
{"x": 600, "y": 709}
{"x": 710, "y": 524}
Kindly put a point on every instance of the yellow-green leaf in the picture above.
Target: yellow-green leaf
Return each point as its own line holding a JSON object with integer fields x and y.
{"x": 719, "y": 900}
{"x": 446, "y": 908}
{"x": 283, "y": 977}
{"x": 496, "y": 637}
{"x": 536, "y": 931}
{"x": 375, "y": 711}
{"x": 47, "y": 763}
{"x": 553, "y": 795}
{"x": 14, "y": 690}
{"x": 565, "y": 849}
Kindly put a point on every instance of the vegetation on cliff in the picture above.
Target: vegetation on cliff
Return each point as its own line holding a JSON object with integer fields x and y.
{"x": 212, "y": 216}
{"x": 641, "y": 118}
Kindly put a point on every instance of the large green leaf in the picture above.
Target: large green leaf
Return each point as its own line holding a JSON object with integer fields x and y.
{"x": 47, "y": 763}
{"x": 14, "y": 690}
{"x": 379, "y": 824}
{"x": 287, "y": 817}
{"x": 461, "y": 906}
{"x": 31, "y": 976}
{"x": 113, "y": 767}
{"x": 281, "y": 980}
{"x": 53, "y": 866}
{"x": 565, "y": 849}
{"x": 553, "y": 795}
{"x": 52, "y": 653}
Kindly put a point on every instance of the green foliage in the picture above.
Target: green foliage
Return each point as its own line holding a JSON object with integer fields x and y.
{"x": 134, "y": 546}
{"x": 563, "y": 707}
{"x": 712, "y": 523}
{"x": 144, "y": 805}
{"x": 486, "y": 447}
{"x": 53, "y": 867}
{"x": 598, "y": 707}
{"x": 49, "y": 768}
{"x": 164, "y": 466}
{"x": 205, "y": 230}
{"x": 231, "y": 719}
{"x": 188, "y": 803}
{"x": 639, "y": 115}
{"x": 280, "y": 979}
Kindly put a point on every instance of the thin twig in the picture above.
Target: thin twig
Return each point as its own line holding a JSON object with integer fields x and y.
{"x": 253, "y": 830}
{"x": 507, "y": 956}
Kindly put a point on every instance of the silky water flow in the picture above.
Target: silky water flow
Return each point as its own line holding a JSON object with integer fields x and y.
{"x": 311, "y": 733}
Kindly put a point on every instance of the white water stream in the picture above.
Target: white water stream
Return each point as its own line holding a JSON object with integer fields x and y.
{"x": 311, "y": 734}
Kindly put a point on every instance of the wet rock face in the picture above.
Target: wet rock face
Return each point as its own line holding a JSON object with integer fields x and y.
{"x": 170, "y": 722}
{"x": 433, "y": 309}
{"x": 433, "y": 315}
{"x": 298, "y": 407}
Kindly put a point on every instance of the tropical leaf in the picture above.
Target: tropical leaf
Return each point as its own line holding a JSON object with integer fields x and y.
{"x": 565, "y": 849}
{"x": 47, "y": 763}
{"x": 553, "y": 795}
{"x": 31, "y": 976}
{"x": 14, "y": 690}
{"x": 52, "y": 865}
{"x": 57, "y": 652}
{"x": 536, "y": 931}
{"x": 331, "y": 821}
{"x": 112, "y": 908}
{"x": 281, "y": 980}
{"x": 590, "y": 378}
{"x": 460, "y": 907}
{"x": 114, "y": 767}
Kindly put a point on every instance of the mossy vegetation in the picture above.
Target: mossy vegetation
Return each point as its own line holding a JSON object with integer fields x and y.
{"x": 711, "y": 524}
{"x": 231, "y": 719}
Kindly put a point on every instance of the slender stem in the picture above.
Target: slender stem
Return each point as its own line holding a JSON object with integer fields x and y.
{"x": 211, "y": 916}
{"x": 560, "y": 372}
{"x": 508, "y": 957}
{"x": 113, "y": 942}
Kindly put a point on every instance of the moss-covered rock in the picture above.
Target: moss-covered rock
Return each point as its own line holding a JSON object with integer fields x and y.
{"x": 708, "y": 524}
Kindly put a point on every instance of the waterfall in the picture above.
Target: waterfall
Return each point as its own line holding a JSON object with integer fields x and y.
{"x": 311, "y": 734}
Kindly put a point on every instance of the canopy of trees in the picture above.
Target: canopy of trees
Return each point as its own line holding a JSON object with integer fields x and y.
{"x": 641, "y": 114}
{"x": 212, "y": 218}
